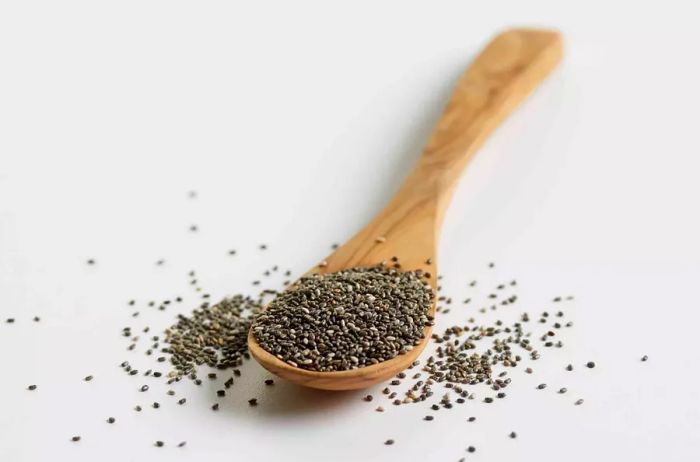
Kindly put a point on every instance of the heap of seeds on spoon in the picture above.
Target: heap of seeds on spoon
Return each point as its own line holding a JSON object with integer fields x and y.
{"x": 346, "y": 320}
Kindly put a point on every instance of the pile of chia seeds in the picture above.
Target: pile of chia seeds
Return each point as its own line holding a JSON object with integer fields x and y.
{"x": 347, "y": 319}
{"x": 212, "y": 335}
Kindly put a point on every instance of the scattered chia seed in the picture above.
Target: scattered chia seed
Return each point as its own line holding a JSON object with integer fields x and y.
{"x": 428, "y": 417}
{"x": 578, "y": 402}
{"x": 31, "y": 387}
{"x": 88, "y": 378}
{"x": 160, "y": 444}
{"x": 253, "y": 402}
{"x": 513, "y": 435}
{"x": 590, "y": 364}
{"x": 645, "y": 358}
{"x": 75, "y": 439}
{"x": 269, "y": 382}
{"x": 389, "y": 442}
{"x": 111, "y": 420}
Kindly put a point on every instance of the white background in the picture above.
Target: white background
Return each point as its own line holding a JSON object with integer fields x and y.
{"x": 295, "y": 121}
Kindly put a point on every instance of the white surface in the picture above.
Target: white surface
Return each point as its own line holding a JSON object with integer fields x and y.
{"x": 295, "y": 121}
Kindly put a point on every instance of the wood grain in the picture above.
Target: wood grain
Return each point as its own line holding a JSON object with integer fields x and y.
{"x": 509, "y": 68}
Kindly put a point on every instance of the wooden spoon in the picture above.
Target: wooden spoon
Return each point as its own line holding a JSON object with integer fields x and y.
{"x": 505, "y": 72}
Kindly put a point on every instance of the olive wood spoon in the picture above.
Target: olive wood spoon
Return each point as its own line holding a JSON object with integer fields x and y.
{"x": 510, "y": 67}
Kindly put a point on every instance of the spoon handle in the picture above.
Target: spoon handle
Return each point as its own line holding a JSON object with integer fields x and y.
{"x": 503, "y": 74}
{"x": 511, "y": 66}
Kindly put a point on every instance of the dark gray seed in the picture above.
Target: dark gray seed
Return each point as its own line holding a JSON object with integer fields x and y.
{"x": 111, "y": 420}
{"x": 645, "y": 358}
{"x": 269, "y": 382}
{"x": 513, "y": 435}
{"x": 220, "y": 392}
{"x": 156, "y": 405}
{"x": 160, "y": 444}
{"x": 253, "y": 402}
{"x": 75, "y": 439}
{"x": 578, "y": 402}
{"x": 88, "y": 378}
{"x": 471, "y": 449}
{"x": 428, "y": 417}
{"x": 590, "y": 364}
{"x": 31, "y": 387}
{"x": 144, "y": 388}
{"x": 182, "y": 401}
{"x": 542, "y": 386}
{"x": 389, "y": 442}
{"x": 471, "y": 419}
{"x": 215, "y": 407}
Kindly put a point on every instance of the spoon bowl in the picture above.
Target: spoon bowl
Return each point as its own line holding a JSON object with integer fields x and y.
{"x": 509, "y": 68}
